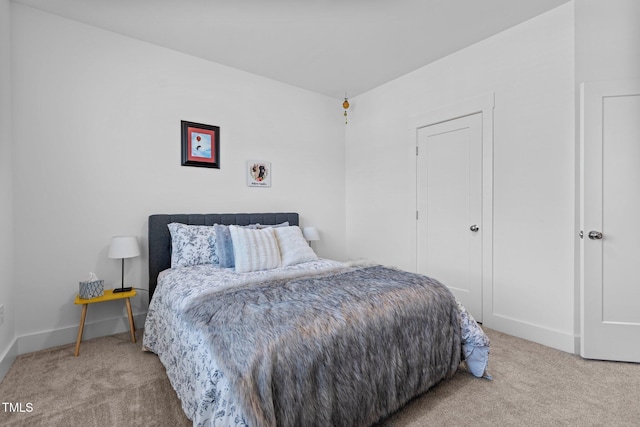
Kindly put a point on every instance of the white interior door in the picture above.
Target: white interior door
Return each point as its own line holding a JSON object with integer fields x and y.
{"x": 610, "y": 189}
{"x": 449, "y": 201}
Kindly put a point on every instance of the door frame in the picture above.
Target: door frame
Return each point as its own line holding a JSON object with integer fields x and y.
{"x": 483, "y": 104}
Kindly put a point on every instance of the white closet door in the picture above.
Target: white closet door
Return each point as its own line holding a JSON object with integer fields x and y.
{"x": 449, "y": 200}
{"x": 610, "y": 187}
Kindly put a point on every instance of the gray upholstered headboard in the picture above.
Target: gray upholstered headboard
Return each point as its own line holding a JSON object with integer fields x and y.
{"x": 160, "y": 238}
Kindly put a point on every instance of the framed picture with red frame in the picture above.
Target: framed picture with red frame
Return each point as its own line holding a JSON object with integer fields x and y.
{"x": 200, "y": 145}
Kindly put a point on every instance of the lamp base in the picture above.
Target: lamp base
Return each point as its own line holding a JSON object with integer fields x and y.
{"x": 117, "y": 290}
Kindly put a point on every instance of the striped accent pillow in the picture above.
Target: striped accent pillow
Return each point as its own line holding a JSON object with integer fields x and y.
{"x": 254, "y": 250}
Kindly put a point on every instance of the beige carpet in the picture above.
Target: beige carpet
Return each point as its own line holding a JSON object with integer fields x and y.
{"x": 111, "y": 383}
{"x": 114, "y": 383}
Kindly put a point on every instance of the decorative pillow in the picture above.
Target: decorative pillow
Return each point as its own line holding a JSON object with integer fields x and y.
{"x": 192, "y": 245}
{"x": 477, "y": 359}
{"x": 254, "y": 250}
{"x": 294, "y": 249}
{"x": 224, "y": 246}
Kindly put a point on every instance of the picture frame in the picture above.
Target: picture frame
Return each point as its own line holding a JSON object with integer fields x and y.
{"x": 258, "y": 173}
{"x": 200, "y": 145}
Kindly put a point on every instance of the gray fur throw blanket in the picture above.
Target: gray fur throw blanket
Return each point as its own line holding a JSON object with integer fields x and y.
{"x": 339, "y": 349}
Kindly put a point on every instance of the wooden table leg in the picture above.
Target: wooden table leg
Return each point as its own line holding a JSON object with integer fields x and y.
{"x": 81, "y": 328}
{"x": 132, "y": 327}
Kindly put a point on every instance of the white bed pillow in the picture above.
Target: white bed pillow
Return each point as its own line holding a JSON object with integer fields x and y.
{"x": 192, "y": 245}
{"x": 294, "y": 249}
{"x": 254, "y": 250}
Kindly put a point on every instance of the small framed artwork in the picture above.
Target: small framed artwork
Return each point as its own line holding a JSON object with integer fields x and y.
{"x": 258, "y": 173}
{"x": 200, "y": 145}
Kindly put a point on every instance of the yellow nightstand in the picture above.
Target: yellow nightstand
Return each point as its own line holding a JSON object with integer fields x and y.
{"x": 108, "y": 296}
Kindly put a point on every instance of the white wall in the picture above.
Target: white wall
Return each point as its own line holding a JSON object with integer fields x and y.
{"x": 607, "y": 40}
{"x": 7, "y": 329}
{"x": 97, "y": 149}
{"x": 530, "y": 68}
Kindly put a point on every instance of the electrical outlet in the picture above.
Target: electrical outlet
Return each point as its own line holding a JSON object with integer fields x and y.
{"x": 1, "y": 314}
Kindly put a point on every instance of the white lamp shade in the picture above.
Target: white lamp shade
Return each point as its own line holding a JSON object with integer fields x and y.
{"x": 311, "y": 234}
{"x": 124, "y": 247}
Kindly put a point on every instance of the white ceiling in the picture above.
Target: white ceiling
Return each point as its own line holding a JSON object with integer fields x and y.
{"x": 330, "y": 47}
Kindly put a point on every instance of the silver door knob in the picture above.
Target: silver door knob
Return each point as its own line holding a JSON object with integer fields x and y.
{"x": 595, "y": 235}
{"x": 474, "y": 228}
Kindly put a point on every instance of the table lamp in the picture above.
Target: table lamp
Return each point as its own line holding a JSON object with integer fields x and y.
{"x": 310, "y": 234}
{"x": 123, "y": 247}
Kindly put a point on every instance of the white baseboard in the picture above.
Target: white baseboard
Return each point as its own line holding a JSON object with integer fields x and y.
{"x": 54, "y": 338}
{"x": 7, "y": 359}
{"x": 536, "y": 333}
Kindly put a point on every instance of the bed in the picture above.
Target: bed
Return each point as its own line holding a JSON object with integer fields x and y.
{"x": 255, "y": 330}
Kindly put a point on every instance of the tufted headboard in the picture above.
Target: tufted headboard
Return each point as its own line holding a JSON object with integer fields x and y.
{"x": 160, "y": 238}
